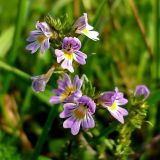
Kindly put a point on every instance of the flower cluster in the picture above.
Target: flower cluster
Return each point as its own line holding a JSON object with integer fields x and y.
{"x": 78, "y": 109}
{"x": 70, "y": 47}
{"x": 78, "y": 106}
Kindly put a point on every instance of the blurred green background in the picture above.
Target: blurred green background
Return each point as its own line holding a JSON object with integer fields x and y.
{"x": 127, "y": 54}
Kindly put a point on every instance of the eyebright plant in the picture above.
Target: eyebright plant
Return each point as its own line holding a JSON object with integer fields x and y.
{"x": 77, "y": 95}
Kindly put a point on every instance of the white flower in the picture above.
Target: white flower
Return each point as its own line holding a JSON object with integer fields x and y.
{"x": 82, "y": 27}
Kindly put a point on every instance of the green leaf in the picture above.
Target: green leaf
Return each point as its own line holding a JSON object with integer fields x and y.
{"x": 87, "y": 87}
{"x": 6, "y": 39}
{"x": 43, "y": 158}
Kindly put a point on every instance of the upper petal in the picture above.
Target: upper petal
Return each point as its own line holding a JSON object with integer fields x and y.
{"x": 68, "y": 110}
{"x": 122, "y": 101}
{"x": 77, "y": 82}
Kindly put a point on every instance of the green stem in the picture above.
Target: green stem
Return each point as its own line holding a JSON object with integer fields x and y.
{"x": 21, "y": 17}
{"x": 14, "y": 70}
{"x": 21, "y": 14}
{"x": 18, "y": 72}
{"x": 45, "y": 131}
{"x": 157, "y": 39}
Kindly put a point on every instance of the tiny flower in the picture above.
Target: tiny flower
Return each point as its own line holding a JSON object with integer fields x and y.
{"x": 39, "y": 38}
{"x": 79, "y": 114}
{"x": 82, "y": 27}
{"x": 70, "y": 51}
{"x": 142, "y": 90}
{"x": 111, "y": 101}
{"x": 67, "y": 91}
{"x": 39, "y": 82}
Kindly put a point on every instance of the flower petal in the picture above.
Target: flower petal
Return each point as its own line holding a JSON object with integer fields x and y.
{"x": 58, "y": 91}
{"x": 67, "y": 64}
{"x": 33, "y": 35}
{"x": 33, "y": 47}
{"x": 92, "y": 35}
{"x": 45, "y": 45}
{"x": 77, "y": 82}
{"x": 68, "y": 109}
{"x": 64, "y": 83}
{"x": 122, "y": 101}
{"x": 80, "y": 57}
{"x": 122, "y": 111}
{"x": 77, "y": 93}
{"x": 89, "y": 27}
{"x": 61, "y": 55}
{"x": 43, "y": 27}
{"x": 55, "y": 100}
{"x": 88, "y": 122}
{"x": 69, "y": 122}
{"x": 75, "y": 127}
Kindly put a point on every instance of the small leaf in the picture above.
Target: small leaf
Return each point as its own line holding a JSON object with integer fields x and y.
{"x": 6, "y": 41}
{"x": 87, "y": 87}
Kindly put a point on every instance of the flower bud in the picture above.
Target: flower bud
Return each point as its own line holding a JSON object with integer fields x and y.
{"x": 142, "y": 91}
{"x": 39, "y": 82}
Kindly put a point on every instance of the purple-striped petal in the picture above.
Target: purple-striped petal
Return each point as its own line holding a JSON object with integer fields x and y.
{"x": 117, "y": 116}
{"x": 64, "y": 83}
{"x": 68, "y": 123}
{"x": 88, "y": 122}
{"x": 43, "y": 27}
{"x": 80, "y": 57}
{"x": 55, "y": 100}
{"x": 71, "y": 43}
{"x": 81, "y": 22}
{"x": 58, "y": 92}
{"x": 68, "y": 109}
{"x": 77, "y": 82}
{"x": 86, "y": 101}
{"x": 75, "y": 127}
{"x": 77, "y": 93}
{"x": 122, "y": 101}
{"x": 33, "y": 35}
{"x": 33, "y": 47}
{"x": 60, "y": 55}
{"x": 45, "y": 45}
{"x": 67, "y": 64}
{"x": 122, "y": 111}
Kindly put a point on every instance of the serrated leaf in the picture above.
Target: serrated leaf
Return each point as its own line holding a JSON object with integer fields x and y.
{"x": 87, "y": 87}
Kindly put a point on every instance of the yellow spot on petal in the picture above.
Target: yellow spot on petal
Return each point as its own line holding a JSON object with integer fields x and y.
{"x": 79, "y": 113}
{"x": 68, "y": 55}
{"x": 41, "y": 38}
{"x": 85, "y": 31}
{"x": 113, "y": 107}
{"x": 68, "y": 92}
